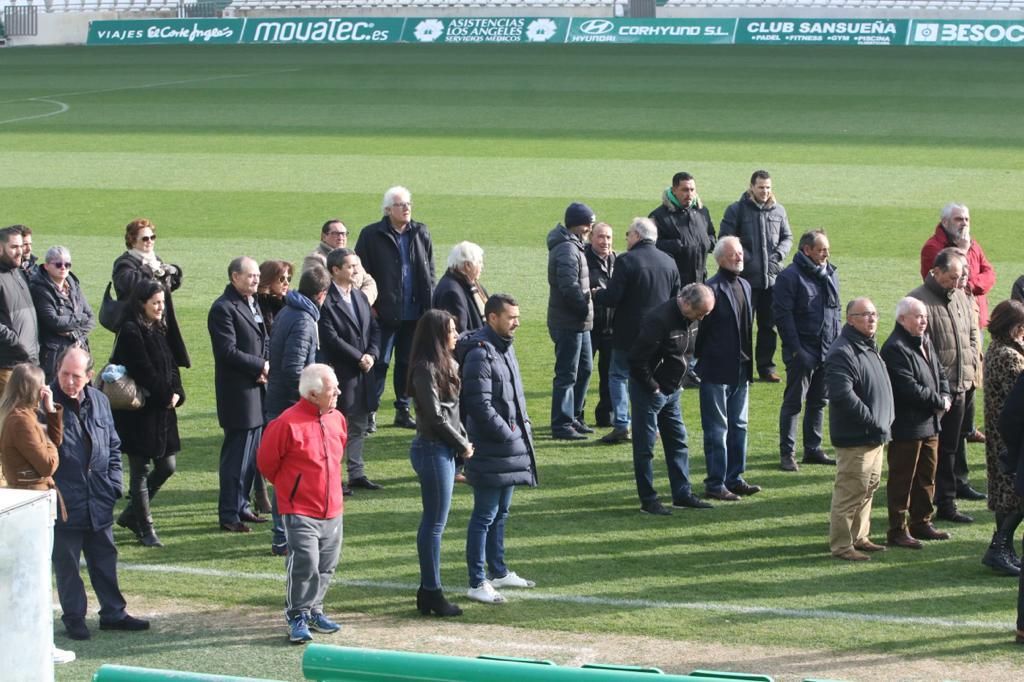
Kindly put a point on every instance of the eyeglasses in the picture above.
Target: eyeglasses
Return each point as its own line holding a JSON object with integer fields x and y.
{"x": 403, "y": 204}
{"x": 61, "y": 266}
{"x": 870, "y": 313}
{"x": 148, "y": 238}
{"x": 284, "y": 279}
{"x": 337, "y": 233}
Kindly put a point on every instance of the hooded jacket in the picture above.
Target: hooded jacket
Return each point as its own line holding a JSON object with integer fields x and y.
{"x": 764, "y": 232}
{"x": 293, "y": 346}
{"x": 569, "y": 304}
{"x": 687, "y": 234}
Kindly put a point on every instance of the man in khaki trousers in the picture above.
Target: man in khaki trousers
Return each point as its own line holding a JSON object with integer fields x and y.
{"x": 860, "y": 414}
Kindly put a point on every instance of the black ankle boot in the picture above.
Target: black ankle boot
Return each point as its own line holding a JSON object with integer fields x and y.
{"x": 127, "y": 520}
{"x": 998, "y": 556}
{"x": 433, "y": 600}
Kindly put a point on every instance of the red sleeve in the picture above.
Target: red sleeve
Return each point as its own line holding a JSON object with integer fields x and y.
{"x": 272, "y": 449}
{"x": 929, "y": 251}
{"x": 982, "y": 281}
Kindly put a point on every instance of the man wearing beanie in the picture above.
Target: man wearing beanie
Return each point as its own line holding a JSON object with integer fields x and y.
{"x": 570, "y": 319}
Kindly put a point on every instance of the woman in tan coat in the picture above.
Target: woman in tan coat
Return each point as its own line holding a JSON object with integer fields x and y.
{"x": 28, "y": 450}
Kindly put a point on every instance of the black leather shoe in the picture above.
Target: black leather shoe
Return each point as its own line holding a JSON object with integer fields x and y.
{"x": 403, "y": 419}
{"x": 128, "y": 623}
{"x": 744, "y": 489}
{"x": 571, "y": 434}
{"x": 252, "y": 518}
{"x": 690, "y": 501}
{"x": 818, "y": 457}
{"x": 616, "y": 436}
{"x": 655, "y": 508}
{"x": 371, "y": 424}
{"x": 581, "y": 427}
{"x": 149, "y": 538}
{"x": 77, "y": 630}
{"x": 954, "y": 515}
{"x": 966, "y": 492}
{"x": 364, "y": 482}
{"x": 235, "y": 527}
{"x": 723, "y": 495}
{"x": 788, "y": 463}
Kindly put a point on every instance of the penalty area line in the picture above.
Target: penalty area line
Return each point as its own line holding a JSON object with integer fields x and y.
{"x": 539, "y": 595}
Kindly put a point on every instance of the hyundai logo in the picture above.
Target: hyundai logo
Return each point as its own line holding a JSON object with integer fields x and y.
{"x": 596, "y": 27}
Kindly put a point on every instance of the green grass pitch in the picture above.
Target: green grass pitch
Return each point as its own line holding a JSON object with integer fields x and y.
{"x": 248, "y": 149}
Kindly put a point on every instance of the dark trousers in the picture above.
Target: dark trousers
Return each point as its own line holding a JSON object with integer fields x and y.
{"x": 101, "y": 562}
{"x": 802, "y": 385}
{"x": 951, "y": 440}
{"x": 1020, "y": 599}
{"x": 396, "y": 342}
{"x": 764, "y": 346}
{"x": 237, "y": 470}
{"x": 601, "y": 345}
{"x": 145, "y": 478}
{"x": 911, "y": 484}
{"x": 960, "y": 471}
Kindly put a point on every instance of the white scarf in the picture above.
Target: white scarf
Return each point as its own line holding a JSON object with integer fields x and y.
{"x": 148, "y": 258}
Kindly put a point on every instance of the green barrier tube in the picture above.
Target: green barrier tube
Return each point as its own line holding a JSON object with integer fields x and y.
{"x": 126, "y": 673}
{"x": 325, "y": 663}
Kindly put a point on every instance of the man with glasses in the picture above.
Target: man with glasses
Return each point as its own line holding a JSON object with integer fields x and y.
{"x": 953, "y": 331}
{"x": 860, "y": 416}
{"x": 399, "y": 253}
{"x": 334, "y": 235}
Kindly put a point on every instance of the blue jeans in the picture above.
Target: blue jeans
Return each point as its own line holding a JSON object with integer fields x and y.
{"x": 485, "y": 537}
{"x": 723, "y": 416}
{"x": 618, "y": 388}
{"x": 654, "y": 413}
{"x": 802, "y": 384}
{"x": 574, "y": 362}
{"x": 434, "y": 464}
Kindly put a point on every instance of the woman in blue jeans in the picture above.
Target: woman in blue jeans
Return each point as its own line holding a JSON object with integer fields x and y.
{"x": 440, "y": 436}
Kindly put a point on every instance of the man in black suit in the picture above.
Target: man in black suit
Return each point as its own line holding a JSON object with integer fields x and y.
{"x": 350, "y": 343}
{"x": 398, "y": 252}
{"x": 241, "y": 352}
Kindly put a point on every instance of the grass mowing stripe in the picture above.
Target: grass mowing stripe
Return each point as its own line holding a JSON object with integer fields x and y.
{"x": 602, "y": 601}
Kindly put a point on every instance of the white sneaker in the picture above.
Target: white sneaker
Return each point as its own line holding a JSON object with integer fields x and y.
{"x": 485, "y": 594}
{"x": 512, "y": 580}
{"x": 62, "y": 656}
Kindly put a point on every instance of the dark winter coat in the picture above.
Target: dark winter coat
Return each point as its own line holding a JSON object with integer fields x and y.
{"x": 494, "y": 411}
{"x": 89, "y": 475}
{"x": 454, "y": 293}
{"x": 269, "y": 305}
{"x": 918, "y": 384}
{"x": 687, "y": 235}
{"x": 1011, "y": 428}
{"x": 765, "y": 235}
{"x": 293, "y": 345}
{"x": 860, "y": 409}
{"x": 808, "y": 311}
{"x": 129, "y": 270}
{"x": 644, "y": 278}
{"x": 343, "y": 341}
{"x": 724, "y": 348}
{"x": 152, "y": 430}
{"x": 661, "y": 354}
{"x": 240, "y": 348}
{"x": 64, "y": 320}
{"x": 601, "y": 271}
{"x": 569, "y": 304}
{"x": 953, "y": 330}
{"x": 19, "y": 330}
{"x": 378, "y": 248}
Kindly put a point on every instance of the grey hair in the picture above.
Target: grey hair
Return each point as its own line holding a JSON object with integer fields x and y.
{"x": 643, "y": 228}
{"x": 947, "y": 210}
{"x": 312, "y": 379}
{"x": 55, "y": 252}
{"x": 907, "y": 303}
{"x": 692, "y": 295}
{"x": 720, "y": 246}
{"x": 389, "y": 197}
{"x": 465, "y": 252}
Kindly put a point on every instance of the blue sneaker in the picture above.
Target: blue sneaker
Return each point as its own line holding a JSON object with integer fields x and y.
{"x": 321, "y": 623}
{"x": 298, "y": 630}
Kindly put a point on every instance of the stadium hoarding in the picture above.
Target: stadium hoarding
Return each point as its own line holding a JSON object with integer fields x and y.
{"x": 675, "y": 31}
{"x": 486, "y": 30}
{"x": 164, "y": 31}
{"x": 245, "y": 31}
{"x": 823, "y": 31}
{"x": 968, "y": 32}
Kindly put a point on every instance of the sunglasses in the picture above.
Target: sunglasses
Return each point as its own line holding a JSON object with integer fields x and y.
{"x": 148, "y": 238}
{"x": 284, "y": 279}
{"x": 61, "y": 266}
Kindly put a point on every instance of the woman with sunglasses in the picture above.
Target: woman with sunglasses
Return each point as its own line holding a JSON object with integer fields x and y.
{"x": 140, "y": 264}
{"x": 275, "y": 278}
{"x": 65, "y": 318}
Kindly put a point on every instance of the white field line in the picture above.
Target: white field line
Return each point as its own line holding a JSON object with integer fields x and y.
{"x": 61, "y": 108}
{"x": 539, "y": 595}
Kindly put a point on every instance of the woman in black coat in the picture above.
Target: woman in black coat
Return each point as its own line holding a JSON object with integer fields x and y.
{"x": 459, "y": 291}
{"x": 149, "y": 435}
{"x": 140, "y": 263}
{"x": 65, "y": 318}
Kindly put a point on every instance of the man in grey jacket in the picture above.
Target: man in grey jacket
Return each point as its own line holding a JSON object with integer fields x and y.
{"x": 19, "y": 329}
{"x": 763, "y": 228}
{"x": 861, "y": 413}
{"x": 570, "y": 319}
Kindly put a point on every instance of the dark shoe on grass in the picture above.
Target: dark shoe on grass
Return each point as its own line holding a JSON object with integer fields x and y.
{"x": 655, "y": 508}
{"x": 616, "y": 436}
{"x": 818, "y": 457}
{"x": 690, "y": 501}
{"x": 77, "y": 630}
{"x": 926, "y": 531}
{"x": 128, "y": 624}
{"x": 788, "y": 463}
{"x": 744, "y": 489}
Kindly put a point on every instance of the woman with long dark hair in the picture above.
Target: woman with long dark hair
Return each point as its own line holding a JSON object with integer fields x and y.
{"x": 440, "y": 437}
{"x": 149, "y": 435}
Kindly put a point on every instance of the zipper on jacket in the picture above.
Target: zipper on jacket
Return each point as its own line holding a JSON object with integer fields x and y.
{"x": 295, "y": 488}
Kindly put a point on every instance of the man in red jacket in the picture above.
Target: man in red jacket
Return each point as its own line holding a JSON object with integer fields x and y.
{"x": 301, "y": 455}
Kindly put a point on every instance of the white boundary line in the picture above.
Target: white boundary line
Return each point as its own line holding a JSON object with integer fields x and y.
{"x": 710, "y": 607}
{"x": 61, "y": 108}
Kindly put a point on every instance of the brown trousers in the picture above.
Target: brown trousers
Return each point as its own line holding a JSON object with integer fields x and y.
{"x": 5, "y": 376}
{"x": 911, "y": 484}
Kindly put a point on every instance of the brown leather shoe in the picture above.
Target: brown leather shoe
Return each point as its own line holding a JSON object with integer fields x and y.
{"x": 926, "y": 531}
{"x": 788, "y": 463}
{"x": 723, "y": 495}
{"x": 976, "y": 436}
{"x": 901, "y": 538}
{"x": 866, "y": 545}
{"x": 1020, "y": 637}
{"x": 770, "y": 377}
{"x": 852, "y": 555}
